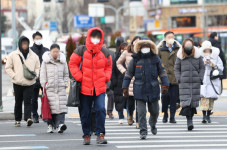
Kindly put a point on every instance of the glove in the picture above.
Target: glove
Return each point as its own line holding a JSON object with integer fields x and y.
{"x": 165, "y": 89}
{"x": 125, "y": 92}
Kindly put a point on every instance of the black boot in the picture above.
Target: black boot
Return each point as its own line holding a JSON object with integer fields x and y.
{"x": 172, "y": 120}
{"x": 189, "y": 123}
{"x": 165, "y": 118}
{"x": 204, "y": 117}
{"x": 208, "y": 116}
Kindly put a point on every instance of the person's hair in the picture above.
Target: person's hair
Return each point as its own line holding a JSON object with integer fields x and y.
{"x": 104, "y": 42}
{"x": 54, "y": 46}
{"x": 168, "y": 32}
{"x": 124, "y": 44}
{"x": 96, "y": 33}
{"x": 193, "y": 48}
{"x": 133, "y": 40}
{"x": 37, "y": 33}
{"x": 197, "y": 44}
{"x": 213, "y": 34}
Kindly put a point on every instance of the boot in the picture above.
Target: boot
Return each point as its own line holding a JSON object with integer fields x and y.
{"x": 130, "y": 120}
{"x": 208, "y": 116}
{"x": 172, "y": 120}
{"x": 204, "y": 117}
{"x": 189, "y": 123}
{"x": 165, "y": 118}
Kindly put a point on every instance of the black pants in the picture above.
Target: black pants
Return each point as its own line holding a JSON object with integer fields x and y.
{"x": 34, "y": 102}
{"x": 110, "y": 104}
{"x": 131, "y": 106}
{"x": 171, "y": 98}
{"x": 22, "y": 93}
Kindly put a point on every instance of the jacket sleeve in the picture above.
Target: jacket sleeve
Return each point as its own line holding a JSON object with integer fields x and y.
{"x": 9, "y": 67}
{"x": 37, "y": 67}
{"x": 121, "y": 60}
{"x": 43, "y": 74}
{"x": 108, "y": 69}
{"x": 201, "y": 69}
{"x": 177, "y": 69}
{"x": 162, "y": 74}
{"x": 129, "y": 74}
{"x": 66, "y": 75}
{"x": 74, "y": 65}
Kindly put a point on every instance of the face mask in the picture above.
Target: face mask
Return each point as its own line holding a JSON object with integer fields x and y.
{"x": 38, "y": 42}
{"x": 95, "y": 40}
{"x": 170, "y": 41}
{"x": 145, "y": 50}
{"x": 207, "y": 55}
{"x": 188, "y": 50}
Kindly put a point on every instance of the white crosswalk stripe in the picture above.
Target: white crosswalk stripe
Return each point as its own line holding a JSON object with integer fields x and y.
{"x": 170, "y": 136}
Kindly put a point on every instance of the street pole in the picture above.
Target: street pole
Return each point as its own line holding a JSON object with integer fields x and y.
{"x": 203, "y": 20}
{"x": 14, "y": 24}
{"x": 116, "y": 14}
{"x": 1, "y": 107}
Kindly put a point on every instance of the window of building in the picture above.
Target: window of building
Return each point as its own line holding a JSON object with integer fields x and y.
{"x": 172, "y": 2}
{"x": 189, "y": 21}
{"x": 215, "y": 1}
{"x": 217, "y": 20}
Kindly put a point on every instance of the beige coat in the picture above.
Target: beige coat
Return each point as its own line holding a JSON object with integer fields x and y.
{"x": 125, "y": 58}
{"x": 14, "y": 67}
{"x": 55, "y": 74}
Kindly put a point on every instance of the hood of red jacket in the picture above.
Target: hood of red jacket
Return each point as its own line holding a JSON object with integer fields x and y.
{"x": 94, "y": 48}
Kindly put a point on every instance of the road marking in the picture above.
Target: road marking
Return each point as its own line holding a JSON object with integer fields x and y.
{"x": 57, "y": 140}
{"x": 164, "y": 146}
{"x": 17, "y": 135}
{"x": 197, "y": 129}
{"x": 169, "y": 141}
{"x": 25, "y": 147}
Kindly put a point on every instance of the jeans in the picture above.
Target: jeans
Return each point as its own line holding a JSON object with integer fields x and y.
{"x": 121, "y": 115}
{"x": 34, "y": 102}
{"x": 153, "y": 108}
{"x": 171, "y": 98}
{"x": 85, "y": 113}
{"x": 22, "y": 93}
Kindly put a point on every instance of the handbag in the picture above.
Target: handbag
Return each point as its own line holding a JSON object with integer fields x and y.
{"x": 45, "y": 107}
{"x": 216, "y": 74}
{"x": 28, "y": 74}
{"x": 75, "y": 87}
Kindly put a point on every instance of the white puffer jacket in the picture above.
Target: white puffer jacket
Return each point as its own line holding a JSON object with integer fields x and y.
{"x": 55, "y": 74}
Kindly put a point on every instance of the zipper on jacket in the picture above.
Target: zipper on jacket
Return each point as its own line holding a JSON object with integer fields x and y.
{"x": 93, "y": 87}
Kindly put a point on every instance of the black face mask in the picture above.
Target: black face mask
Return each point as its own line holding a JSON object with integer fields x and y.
{"x": 188, "y": 50}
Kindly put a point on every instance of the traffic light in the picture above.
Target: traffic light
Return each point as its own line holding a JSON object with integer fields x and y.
{"x": 102, "y": 1}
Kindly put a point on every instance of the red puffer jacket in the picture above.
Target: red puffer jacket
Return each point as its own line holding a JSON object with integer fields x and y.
{"x": 96, "y": 68}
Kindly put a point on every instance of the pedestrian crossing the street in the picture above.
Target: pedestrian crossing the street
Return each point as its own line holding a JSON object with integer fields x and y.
{"x": 170, "y": 136}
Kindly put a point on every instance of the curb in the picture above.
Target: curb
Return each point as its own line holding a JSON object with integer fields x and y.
{"x": 6, "y": 116}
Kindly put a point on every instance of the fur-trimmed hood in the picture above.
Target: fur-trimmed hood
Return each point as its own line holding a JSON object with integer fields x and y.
{"x": 160, "y": 44}
{"x": 48, "y": 58}
{"x": 138, "y": 45}
{"x": 196, "y": 55}
{"x": 214, "y": 54}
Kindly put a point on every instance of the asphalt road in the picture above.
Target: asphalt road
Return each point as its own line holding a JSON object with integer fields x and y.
{"x": 205, "y": 136}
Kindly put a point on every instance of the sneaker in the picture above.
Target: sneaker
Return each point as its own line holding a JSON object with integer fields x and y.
{"x": 50, "y": 129}
{"x": 121, "y": 121}
{"x": 17, "y": 124}
{"x": 35, "y": 120}
{"x": 111, "y": 117}
{"x": 143, "y": 137}
{"x": 154, "y": 130}
{"x": 29, "y": 122}
{"x": 62, "y": 128}
{"x": 100, "y": 139}
{"x": 137, "y": 125}
{"x": 130, "y": 120}
{"x": 87, "y": 140}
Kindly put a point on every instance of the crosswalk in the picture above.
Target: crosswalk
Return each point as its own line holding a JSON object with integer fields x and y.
{"x": 170, "y": 136}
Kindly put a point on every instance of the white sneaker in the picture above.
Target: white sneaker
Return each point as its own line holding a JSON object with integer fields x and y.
{"x": 62, "y": 128}
{"x": 121, "y": 121}
{"x": 50, "y": 129}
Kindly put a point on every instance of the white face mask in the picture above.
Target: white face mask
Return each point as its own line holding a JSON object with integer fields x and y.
{"x": 145, "y": 50}
{"x": 38, "y": 42}
{"x": 170, "y": 41}
{"x": 207, "y": 55}
{"x": 95, "y": 40}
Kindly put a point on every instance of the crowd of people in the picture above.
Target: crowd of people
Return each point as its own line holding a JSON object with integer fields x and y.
{"x": 138, "y": 74}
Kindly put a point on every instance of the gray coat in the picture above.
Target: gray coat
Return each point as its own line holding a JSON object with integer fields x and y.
{"x": 189, "y": 73}
{"x": 56, "y": 74}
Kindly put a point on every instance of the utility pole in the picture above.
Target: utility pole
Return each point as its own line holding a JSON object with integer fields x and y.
{"x": 14, "y": 24}
{"x": 203, "y": 20}
{"x": 1, "y": 107}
